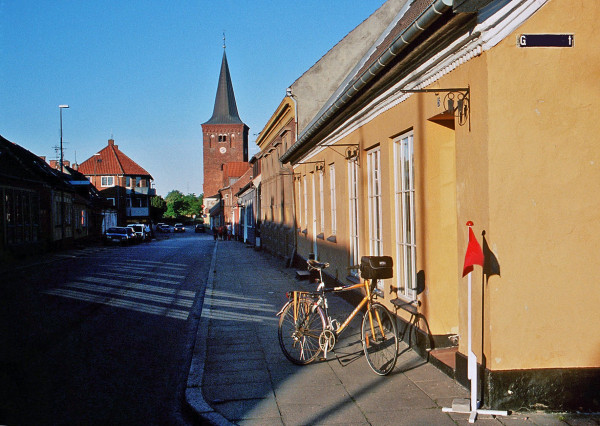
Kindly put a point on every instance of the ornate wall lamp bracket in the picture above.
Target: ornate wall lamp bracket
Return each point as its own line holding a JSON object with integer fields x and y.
{"x": 457, "y": 102}
{"x": 319, "y": 165}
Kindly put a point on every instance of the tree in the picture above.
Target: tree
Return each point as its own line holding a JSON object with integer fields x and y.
{"x": 179, "y": 205}
{"x": 158, "y": 207}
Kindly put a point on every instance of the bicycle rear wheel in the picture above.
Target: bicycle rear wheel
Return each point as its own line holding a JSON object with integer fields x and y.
{"x": 299, "y": 332}
{"x": 380, "y": 339}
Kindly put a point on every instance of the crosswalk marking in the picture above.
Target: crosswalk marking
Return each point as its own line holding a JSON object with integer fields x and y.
{"x": 120, "y": 303}
{"x": 152, "y": 273}
{"x": 115, "y": 291}
{"x": 153, "y": 279}
{"x": 139, "y": 286}
{"x": 135, "y": 288}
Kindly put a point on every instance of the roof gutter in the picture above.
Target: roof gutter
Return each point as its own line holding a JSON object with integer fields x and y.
{"x": 426, "y": 19}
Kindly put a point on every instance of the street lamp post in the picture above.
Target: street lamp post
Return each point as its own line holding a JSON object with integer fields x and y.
{"x": 62, "y": 193}
{"x": 61, "y": 107}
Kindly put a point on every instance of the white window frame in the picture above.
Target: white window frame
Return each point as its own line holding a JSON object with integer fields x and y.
{"x": 299, "y": 224}
{"x": 305, "y": 187}
{"x": 104, "y": 181}
{"x": 321, "y": 203}
{"x": 314, "y": 215}
{"x": 404, "y": 192}
{"x": 333, "y": 200}
{"x": 374, "y": 202}
{"x": 353, "y": 203}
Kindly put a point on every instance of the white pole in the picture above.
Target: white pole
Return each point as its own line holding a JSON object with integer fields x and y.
{"x": 472, "y": 358}
{"x": 460, "y": 405}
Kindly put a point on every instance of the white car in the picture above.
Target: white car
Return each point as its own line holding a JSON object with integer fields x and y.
{"x": 140, "y": 231}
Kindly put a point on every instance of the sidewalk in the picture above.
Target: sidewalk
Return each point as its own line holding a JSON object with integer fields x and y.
{"x": 239, "y": 374}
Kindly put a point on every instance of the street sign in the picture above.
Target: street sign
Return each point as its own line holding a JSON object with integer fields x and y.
{"x": 546, "y": 40}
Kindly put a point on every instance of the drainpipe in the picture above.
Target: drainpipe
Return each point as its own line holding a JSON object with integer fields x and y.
{"x": 425, "y": 20}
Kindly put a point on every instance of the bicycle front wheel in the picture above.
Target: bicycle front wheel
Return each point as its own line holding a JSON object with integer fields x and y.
{"x": 299, "y": 331}
{"x": 380, "y": 339}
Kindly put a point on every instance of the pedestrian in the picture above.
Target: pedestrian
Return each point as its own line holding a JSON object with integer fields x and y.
{"x": 214, "y": 231}
{"x": 229, "y": 231}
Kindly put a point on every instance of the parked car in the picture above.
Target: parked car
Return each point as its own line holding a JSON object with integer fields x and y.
{"x": 163, "y": 227}
{"x": 199, "y": 228}
{"x": 179, "y": 227}
{"x": 119, "y": 235}
{"x": 139, "y": 230}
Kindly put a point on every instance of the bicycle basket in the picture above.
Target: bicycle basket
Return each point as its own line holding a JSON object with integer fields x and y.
{"x": 376, "y": 267}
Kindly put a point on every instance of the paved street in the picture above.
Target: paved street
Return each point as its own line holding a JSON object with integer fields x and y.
{"x": 114, "y": 335}
{"x": 102, "y": 335}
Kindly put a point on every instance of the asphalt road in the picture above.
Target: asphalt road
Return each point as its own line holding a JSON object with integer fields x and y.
{"x": 105, "y": 337}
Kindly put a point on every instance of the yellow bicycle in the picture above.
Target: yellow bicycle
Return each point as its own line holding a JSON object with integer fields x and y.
{"x": 306, "y": 329}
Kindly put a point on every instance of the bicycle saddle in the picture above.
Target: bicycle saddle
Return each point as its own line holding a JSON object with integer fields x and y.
{"x": 313, "y": 264}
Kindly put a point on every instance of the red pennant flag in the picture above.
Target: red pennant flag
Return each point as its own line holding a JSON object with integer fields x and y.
{"x": 474, "y": 254}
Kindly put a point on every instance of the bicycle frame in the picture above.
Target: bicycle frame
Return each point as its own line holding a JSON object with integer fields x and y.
{"x": 367, "y": 300}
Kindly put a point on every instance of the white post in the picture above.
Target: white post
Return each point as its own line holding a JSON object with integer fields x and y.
{"x": 472, "y": 406}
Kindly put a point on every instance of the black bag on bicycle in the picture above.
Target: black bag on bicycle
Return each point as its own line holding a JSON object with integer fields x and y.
{"x": 376, "y": 267}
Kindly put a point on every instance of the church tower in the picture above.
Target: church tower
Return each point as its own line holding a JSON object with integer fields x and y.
{"x": 225, "y": 135}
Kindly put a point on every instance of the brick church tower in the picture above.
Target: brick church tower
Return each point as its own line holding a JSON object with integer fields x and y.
{"x": 225, "y": 135}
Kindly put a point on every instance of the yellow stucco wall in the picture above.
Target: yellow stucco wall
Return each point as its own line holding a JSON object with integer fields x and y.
{"x": 544, "y": 158}
{"x": 526, "y": 170}
{"x": 435, "y": 205}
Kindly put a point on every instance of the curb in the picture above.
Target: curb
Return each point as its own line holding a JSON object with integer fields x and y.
{"x": 193, "y": 394}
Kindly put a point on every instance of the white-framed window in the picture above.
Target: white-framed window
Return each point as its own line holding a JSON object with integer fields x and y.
{"x": 299, "y": 202}
{"x": 128, "y": 181}
{"x": 404, "y": 188}
{"x": 111, "y": 200}
{"x": 353, "y": 215}
{"x": 107, "y": 181}
{"x": 374, "y": 199}
{"x": 314, "y": 213}
{"x": 332, "y": 197}
{"x": 305, "y": 187}
{"x": 321, "y": 204}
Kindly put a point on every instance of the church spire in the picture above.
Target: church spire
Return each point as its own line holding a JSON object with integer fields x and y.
{"x": 225, "y": 110}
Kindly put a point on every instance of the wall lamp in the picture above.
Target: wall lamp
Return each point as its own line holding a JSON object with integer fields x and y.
{"x": 456, "y": 102}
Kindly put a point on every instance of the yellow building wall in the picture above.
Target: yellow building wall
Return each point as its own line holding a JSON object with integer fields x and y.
{"x": 525, "y": 170}
{"x": 545, "y": 193}
{"x": 436, "y": 226}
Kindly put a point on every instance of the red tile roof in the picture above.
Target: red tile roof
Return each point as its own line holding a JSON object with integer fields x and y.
{"x": 235, "y": 169}
{"x": 111, "y": 161}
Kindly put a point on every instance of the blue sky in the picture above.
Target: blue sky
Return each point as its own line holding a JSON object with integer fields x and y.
{"x": 145, "y": 72}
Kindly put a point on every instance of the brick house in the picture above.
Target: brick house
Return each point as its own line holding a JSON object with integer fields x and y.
{"x": 122, "y": 181}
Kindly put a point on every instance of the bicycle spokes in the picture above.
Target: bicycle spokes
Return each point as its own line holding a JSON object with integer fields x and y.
{"x": 380, "y": 340}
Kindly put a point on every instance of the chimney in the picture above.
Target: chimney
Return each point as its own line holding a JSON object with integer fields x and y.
{"x": 54, "y": 164}
{"x": 66, "y": 163}
{"x": 43, "y": 157}
{"x": 111, "y": 142}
